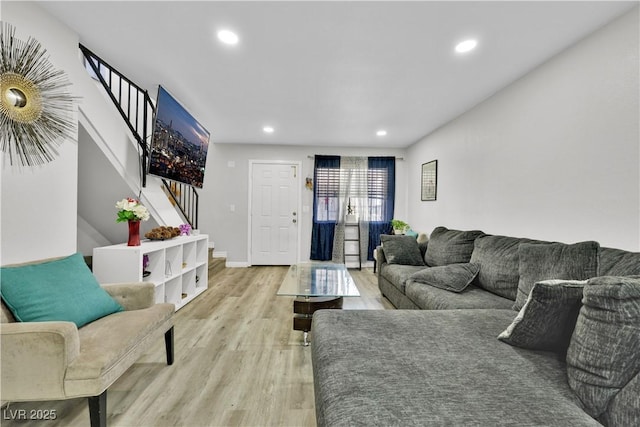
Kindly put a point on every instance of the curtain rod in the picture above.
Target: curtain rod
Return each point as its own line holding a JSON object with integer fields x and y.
{"x": 397, "y": 158}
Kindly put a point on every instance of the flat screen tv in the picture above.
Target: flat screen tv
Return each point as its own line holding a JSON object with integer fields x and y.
{"x": 179, "y": 143}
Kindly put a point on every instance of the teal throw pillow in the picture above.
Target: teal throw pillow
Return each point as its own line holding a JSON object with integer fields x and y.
{"x": 411, "y": 233}
{"x": 59, "y": 290}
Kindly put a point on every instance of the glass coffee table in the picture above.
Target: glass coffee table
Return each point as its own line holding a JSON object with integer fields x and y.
{"x": 316, "y": 285}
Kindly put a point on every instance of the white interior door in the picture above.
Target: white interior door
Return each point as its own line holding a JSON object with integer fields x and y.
{"x": 274, "y": 213}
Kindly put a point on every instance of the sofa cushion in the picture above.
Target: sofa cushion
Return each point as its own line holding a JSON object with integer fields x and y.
{"x": 401, "y": 249}
{"x": 624, "y": 408}
{"x": 430, "y": 298}
{"x": 604, "y": 353}
{"x": 547, "y": 319}
{"x": 107, "y": 340}
{"x": 538, "y": 262}
{"x": 58, "y": 290}
{"x": 616, "y": 262}
{"x": 450, "y": 246}
{"x": 398, "y": 274}
{"x": 452, "y": 277}
{"x": 499, "y": 262}
{"x": 110, "y": 345}
{"x": 434, "y": 368}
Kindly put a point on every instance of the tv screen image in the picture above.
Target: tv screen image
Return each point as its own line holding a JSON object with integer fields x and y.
{"x": 179, "y": 143}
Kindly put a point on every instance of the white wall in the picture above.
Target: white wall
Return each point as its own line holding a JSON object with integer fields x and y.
{"x": 554, "y": 156}
{"x": 225, "y": 186}
{"x": 49, "y": 225}
{"x": 38, "y": 217}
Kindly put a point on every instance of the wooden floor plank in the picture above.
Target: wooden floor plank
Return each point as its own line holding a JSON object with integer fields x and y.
{"x": 238, "y": 362}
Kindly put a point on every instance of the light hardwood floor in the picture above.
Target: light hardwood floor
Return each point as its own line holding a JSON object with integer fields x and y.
{"x": 238, "y": 362}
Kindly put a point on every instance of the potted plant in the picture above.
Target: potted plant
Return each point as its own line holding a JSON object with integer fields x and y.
{"x": 399, "y": 226}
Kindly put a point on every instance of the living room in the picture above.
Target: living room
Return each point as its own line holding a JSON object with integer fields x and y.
{"x": 553, "y": 155}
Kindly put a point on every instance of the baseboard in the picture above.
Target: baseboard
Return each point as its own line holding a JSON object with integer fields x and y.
{"x": 218, "y": 254}
{"x": 236, "y": 264}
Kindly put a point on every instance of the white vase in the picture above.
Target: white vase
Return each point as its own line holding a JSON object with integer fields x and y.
{"x": 350, "y": 218}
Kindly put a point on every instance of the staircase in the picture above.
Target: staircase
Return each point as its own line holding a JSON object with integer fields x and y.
{"x": 136, "y": 109}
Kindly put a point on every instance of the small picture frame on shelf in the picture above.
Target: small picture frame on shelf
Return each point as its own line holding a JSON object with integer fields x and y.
{"x": 429, "y": 181}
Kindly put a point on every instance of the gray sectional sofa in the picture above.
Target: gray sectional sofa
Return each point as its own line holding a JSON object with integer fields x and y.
{"x": 502, "y": 331}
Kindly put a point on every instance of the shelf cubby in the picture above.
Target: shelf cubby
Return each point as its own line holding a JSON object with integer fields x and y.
{"x": 177, "y": 267}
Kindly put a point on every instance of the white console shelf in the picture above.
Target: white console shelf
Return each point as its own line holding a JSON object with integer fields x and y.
{"x": 177, "y": 267}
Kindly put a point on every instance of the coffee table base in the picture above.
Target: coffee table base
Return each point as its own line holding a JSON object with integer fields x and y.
{"x": 303, "y": 309}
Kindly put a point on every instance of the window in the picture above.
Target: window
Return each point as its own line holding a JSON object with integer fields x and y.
{"x": 327, "y": 193}
{"x": 378, "y": 190}
{"x": 366, "y": 185}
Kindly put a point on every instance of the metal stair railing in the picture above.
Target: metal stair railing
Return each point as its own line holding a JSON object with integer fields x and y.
{"x": 185, "y": 198}
{"x": 136, "y": 108}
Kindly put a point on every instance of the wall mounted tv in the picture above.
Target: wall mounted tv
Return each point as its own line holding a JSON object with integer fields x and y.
{"x": 179, "y": 143}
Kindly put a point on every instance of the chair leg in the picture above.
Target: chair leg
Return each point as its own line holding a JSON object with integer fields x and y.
{"x": 98, "y": 410}
{"x": 168, "y": 343}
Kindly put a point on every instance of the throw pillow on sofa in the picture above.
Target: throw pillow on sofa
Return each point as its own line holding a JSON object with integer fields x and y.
{"x": 498, "y": 259}
{"x": 547, "y": 319}
{"x": 401, "y": 249}
{"x": 58, "y": 290}
{"x": 538, "y": 261}
{"x": 450, "y": 246}
{"x": 452, "y": 277}
{"x": 604, "y": 353}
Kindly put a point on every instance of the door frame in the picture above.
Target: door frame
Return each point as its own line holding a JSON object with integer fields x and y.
{"x": 298, "y": 181}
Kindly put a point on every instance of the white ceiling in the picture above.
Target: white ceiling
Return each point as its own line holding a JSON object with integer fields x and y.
{"x": 329, "y": 73}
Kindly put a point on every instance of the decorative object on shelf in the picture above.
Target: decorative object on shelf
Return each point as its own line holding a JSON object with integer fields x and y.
{"x": 145, "y": 265}
{"x": 309, "y": 183}
{"x": 134, "y": 233}
{"x": 167, "y": 269}
{"x": 133, "y": 211}
{"x": 162, "y": 233}
{"x": 429, "y": 185}
{"x": 185, "y": 229}
{"x": 36, "y": 111}
{"x": 351, "y": 216}
{"x": 399, "y": 226}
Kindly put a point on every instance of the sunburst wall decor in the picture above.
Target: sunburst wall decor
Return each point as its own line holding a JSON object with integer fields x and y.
{"x": 35, "y": 107}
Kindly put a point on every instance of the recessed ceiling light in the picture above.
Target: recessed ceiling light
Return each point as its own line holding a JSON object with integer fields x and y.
{"x": 381, "y": 132}
{"x": 268, "y": 129}
{"x": 466, "y": 46}
{"x": 228, "y": 37}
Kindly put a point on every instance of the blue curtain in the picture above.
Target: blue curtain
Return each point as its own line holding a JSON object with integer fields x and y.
{"x": 325, "y": 198}
{"x": 381, "y": 188}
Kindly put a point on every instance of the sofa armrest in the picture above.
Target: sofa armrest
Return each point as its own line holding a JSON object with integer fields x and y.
{"x": 132, "y": 296}
{"x": 35, "y": 356}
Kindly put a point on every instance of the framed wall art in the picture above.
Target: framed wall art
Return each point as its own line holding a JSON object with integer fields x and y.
{"x": 429, "y": 183}
{"x": 36, "y": 110}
